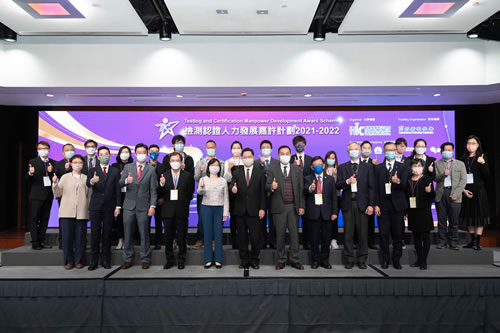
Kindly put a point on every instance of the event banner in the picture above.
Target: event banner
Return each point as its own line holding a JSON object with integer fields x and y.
{"x": 323, "y": 130}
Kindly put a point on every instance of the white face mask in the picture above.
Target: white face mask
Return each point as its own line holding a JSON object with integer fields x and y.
{"x": 417, "y": 170}
{"x": 141, "y": 157}
{"x": 43, "y": 152}
{"x": 420, "y": 150}
{"x": 248, "y": 161}
{"x": 214, "y": 169}
{"x": 77, "y": 167}
{"x": 236, "y": 152}
{"x": 90, "y": 151}
{"x": 124, "y": 156}
{"x": 175, "y": 165}
{"x": 69, "y": 154}
{"x": 285, "y": 159}
{"x": 366, "y": 152}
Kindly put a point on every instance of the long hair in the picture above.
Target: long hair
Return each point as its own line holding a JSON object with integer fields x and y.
{"x": 479, "y": 150}
{"x": 413, "y": 153}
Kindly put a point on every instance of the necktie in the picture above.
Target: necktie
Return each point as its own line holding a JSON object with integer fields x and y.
{"x": 389, "y": 167}
{"x": 176, "y": 178}
{"x": 301, "y": 162}
{"x": 354, "y": 167}
{"x": 284, "y": 172}
{"x": 139, "y": 173}
{"x": 104, "y": 171}
{"x": 318, "y": 188}
{"x": 267, "y": 164}
{"x": 248, "y": 176}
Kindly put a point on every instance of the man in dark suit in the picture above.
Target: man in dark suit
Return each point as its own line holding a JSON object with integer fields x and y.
{"x": 401, "y": 145}
{"x": 248, "y": 187}
{"x": 176, "y": 190}
{"x": 90, "y": 160}
{"x": 187, "y": 163}
{"x": 321, "y": 210}
{"x": 286, "y": 185}
{"x": 265, "y": 162}
{"x": 103, "y": 208}
{"x": 366, "y": 151}
{"x": 62, "y": 167}
{"x": 304, "y": 162}
{"x": 356, "y": 180}
{"x": 154, "y": 154}
{"x": 39, "y": 182}
{"x": 139, "y": 204}
{"x": 391, "y": 184}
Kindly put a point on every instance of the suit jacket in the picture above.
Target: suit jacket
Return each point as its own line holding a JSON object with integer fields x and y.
{"x": 141, "y": 194}
{"x": 61, "y": 168}
{"x": 106, "y": 193}
{"x": 35, "y": 183}
{"x": 74, "y": 204}
{"x": 188, "y": 163}
{"x": 398, "y": 191}
{"x": 307, "y": 163}
{"x": 366, "y": 195}
{"x": 252, "y": 198}
{"x": 330, "y": 201}
{"x": 185, "y": 186}
{"x": 277, "y": 202}
{"x": 405, "y": 160}
{"x": 458, "y": 178}
{"x": 272, "y": 163}
{"x": 85, "y": 169}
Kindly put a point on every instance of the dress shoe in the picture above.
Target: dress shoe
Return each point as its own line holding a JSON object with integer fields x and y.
{"x": 314, "y": 265}
{"x": 145, "y": 265}
{"x": 243, "y": 266}
{"x": 326, "y": 265}
{"x": 384, "y": 265}
{"x": 441, "y": 246}
{"x": 208, "y": 265}
{"x": 218, "y": 265}
{"x": 362, "y": 265}
{"x": 157, "y": 247}
{"x": 68, "y": 266}
{"x": 36, "y": 246}
{"x": 254, "y": 266}
{"x": 397, "y": 265}
{"x": 280, "y": 266}
{"x": 79, "y": 266}
{"x": 126, "y": 265}
{"x": 298, "y": 266}
{"x": 92, "y": 267}
{"x": 168, "y": 265}
{"x": 415, "y": 264}
{"x": 349, "y": 265}
{"x": 454, "y": 247}
{"x": 180, "y": 265}
{"x": 106, "y": 265}
{"x": 423, "y": 266}
{"x": 45, "y": 245}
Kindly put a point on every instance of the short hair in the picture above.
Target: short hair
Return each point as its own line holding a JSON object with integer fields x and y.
{"x": 353, "y": 143}
{"x": 213, "y": 161}
{"x": 103, "y": 148}
{"x": 236, "y": 143}
{"x": 336, "y": 159}
{"x": 264, "y": 142}
{"x": 209, "y": 141}
{"x": 247, "y": 149}
{"x": 43, "y": 143}
{"x": 154, "y": 146}
{"x": 122, "y": 148}
{"x": 67, "y": 144}
{"x": 388, "y": 143}
{"x": 366, "y": 142}
{"x": 416, "y": 161}
{"x": 178, "y": 138}
{"x": 297, "y": 139}
{"x": 140, "y": 145}
{"x": 77, "y": 156}
{"x": 400, "y": 141}
{"x": 174, "y": 154}
{"x": 316, "y": 158}
{"x": 90, "y": 141}
{"x": 283, "y": 147}
{"x": 447, "y": 144}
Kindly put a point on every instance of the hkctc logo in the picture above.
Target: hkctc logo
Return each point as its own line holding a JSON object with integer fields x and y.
{"x": 166, "y": 127}
{"x": 357, "y": 130}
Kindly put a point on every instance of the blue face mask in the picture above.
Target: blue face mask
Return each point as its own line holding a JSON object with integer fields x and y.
{"x": 354, "y": 153}
{"x": 318, "y": 169}
{"x": 211, "y": 152}
{"x": 266, "y": 152}
{"x": 179, "y": 147}
{"x": 447, "y": 154}
{"x": 390, "y": 155}
{"x": 153, "y": 155}
{"x": 300, "y": 148}
{"x": 330, "y": 162}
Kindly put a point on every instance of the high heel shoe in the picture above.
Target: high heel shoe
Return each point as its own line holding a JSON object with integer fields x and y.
{"x": 120, "y": 244}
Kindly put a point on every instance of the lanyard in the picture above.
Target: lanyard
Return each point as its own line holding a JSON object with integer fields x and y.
{"x": 413, "y": 186}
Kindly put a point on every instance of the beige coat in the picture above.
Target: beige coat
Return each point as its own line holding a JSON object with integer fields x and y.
{"x": 73, "y": 204}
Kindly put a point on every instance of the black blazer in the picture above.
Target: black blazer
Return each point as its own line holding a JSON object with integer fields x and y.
{"x": 249, "y": 200}
{"x": 405, "y": 160}
{"x": 307, "y": 163}
{"x": 188, "y": 163}
{"x": 277, "y": 202}
{"x": 85, "y": 169}
{"x": 185, "y": 186}
{"x": 36, "y": 189}
{"x": 398, "y": 191}
{"x": 366, "y": 195}
{"x": 106, "y": 194}
{"x": 330, "y": 201}
{"x": 61, "y": 168}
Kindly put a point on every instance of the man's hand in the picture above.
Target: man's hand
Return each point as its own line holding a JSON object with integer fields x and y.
{"x": 334, "y": 217}
{"x": 54, "y": 179}
{"x": 375, "y": 161}
{"x": 130, "y": 179}
{"x": 274, "y": 185}
{"x": 377, "y": 211}
{"x": 369, "y": 210}
{"x": 235, "y": 189}
{"x": 117, "y": 212}
{"x": 447, "y": 172}
{"x": 313, "y": 186}
{"x": 395, "y": 179}
{"x": 262, "y": 213}
{"x": 224, "y": 218}
{"x": 151, "y": 211}
{"x": 95, "y": 179}
{"x": 162, "y": 180}
{"x": 481, "y": 160}
{"x": 301, "y": 211}
{"x": 428, "y": 189}
{"x": 453, "y": 197}
{"x": 202, "y": 167}
{"x": 352, "y": 180}
{"x": 468, "y": 194}
{"x": 431, "y": 167}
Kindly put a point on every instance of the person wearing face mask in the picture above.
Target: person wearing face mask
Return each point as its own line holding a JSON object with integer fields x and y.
{"x": 105, "y": 205}
{"x": 122, "y": 158}
{"x": 64, "y": 166}
{"x": 475, "y": 213}
{"x": 303, "y": 161}
{"x": 265, "y": 162}
{"x": 419, "y": 151}
{"x": 187, "y": 163}
{"x": 420, "y": 221}
{"x": 331, "y": 168}
{"x": 357, "y": 182}
{"x": 140, "y": 203}
{"x": 451, "y": 179}
{"x": 391, "y": 178}
{"x": 285, "y": 183}
{"x": 38, "y": 179}
{"x": 401, "y": 145}
{"x": 176, "y": 190}
{"x": 214, "y": 212}
{"x": 248, "y": 189}
{"x": 90, "y": 160}
{"x": 74, "y": 212}
{"x": 233, "y": 164}
{"x": 366, "y": 151}
{"x": 200, "y": 170}
{"x": 321, "y": 212}
{"x": 154, "y": 153}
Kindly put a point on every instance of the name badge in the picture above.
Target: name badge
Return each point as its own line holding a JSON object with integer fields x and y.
{"x": 413, "y": 202}
{"x": 388, "y": 188}
{"x": 318, "y": 198}
{"x": 124, "y": 189}
{"x": 174, "y": 194}
{"x": 470, "y": 178}
{"x": 447, "y": 181}
{"x": 46, "y": 181}
{"x": 354, "y": 187}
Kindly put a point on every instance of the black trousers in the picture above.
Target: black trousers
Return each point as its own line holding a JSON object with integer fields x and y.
{"x": 335, "y": 224}
{"x": 422, "y": 245}
{"x": 175, "y": 227}
{"x": 390, "y": 226}
{"x": 249, "y": 226}
{"x": 448, "y": 212}
{"x": 39, "y": 219}
{"x": 101, "y": 225}
{"x": 305, "y": 231}
{"x": 268, "y": 236}
{"x": 158, "y": 225}
{"x": 355, "y": 221}
{"x": 320, "y": 235}
{"x": 233, "y": 227}
{"x": 371, "y": 229}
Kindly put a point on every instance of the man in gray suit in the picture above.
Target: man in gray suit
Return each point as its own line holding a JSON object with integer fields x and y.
{"x": 451, "y": 178}
{"x": 286, "y": 185}
{"x": 141, "y": 182}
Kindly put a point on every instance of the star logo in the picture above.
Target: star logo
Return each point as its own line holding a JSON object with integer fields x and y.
{"x": 166, "y": 127}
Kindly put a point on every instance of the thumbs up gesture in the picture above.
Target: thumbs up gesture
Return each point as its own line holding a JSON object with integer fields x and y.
{"x": 395, "y": 178}
{"x": 50, "y": 168}
{"x": 274, "y": 186}
{"x": 67, "y": 165}
{"x": 352, "y": 180}
{"x": 130, "y": 180}
{"x": 375, "y": 161}
{"x": 235, "y": 188}
{"x": 31, "y": 170}
{"x": 447, "y": 171}
{"x": 431, "y": 167}
{"x": 481, "y": 160}
{"x": 202, "y": 182}
{"x": 95, "y": 179}
{"x": 202, "y": 167}
{"x": 54, "y": 179}
{"x": 162, "y": 180}
{"x": 313, "y": 186}
{"x": 297, "y": 162}
{"x": 428, "y": 188}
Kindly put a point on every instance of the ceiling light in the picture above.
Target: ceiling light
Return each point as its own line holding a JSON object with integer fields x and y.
{"x": 473, "y": 34}
{"x": 222, "y": 11}
{"x": 319, "y": 31}
{"x": 7, "y": 34}
{"x": 262, "y": 12}
{"x": 49, "y": 9}
{"x": 165, "y": 32}
{"x": 433, "y": 8}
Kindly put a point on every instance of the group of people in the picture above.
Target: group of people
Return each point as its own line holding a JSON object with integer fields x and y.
{"x": 262, "y": 197}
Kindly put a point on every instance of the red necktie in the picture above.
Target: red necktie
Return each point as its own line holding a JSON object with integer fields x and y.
{"x": 104, "y": 170}
{"x": 318, "y": 188}
{"x": 248, "y": 176}
{"x": 139, "y": 173}
{"x": 301, "y": 162}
